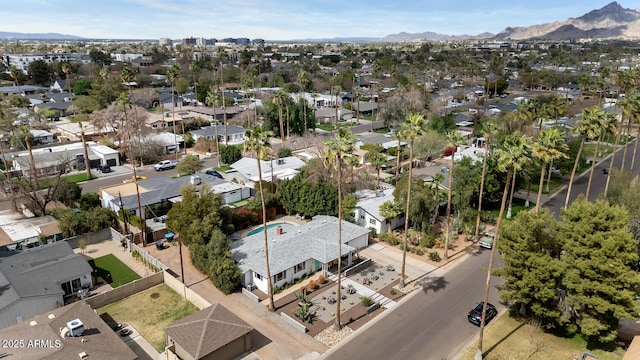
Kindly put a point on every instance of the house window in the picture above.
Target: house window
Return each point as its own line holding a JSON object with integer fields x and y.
{"x": 372, "y": 221}
{"x": 300, "y": 267}
{"x": 280, "y": 276}
{"x": 362, "y": 216}
{"x": 258, "y": 276}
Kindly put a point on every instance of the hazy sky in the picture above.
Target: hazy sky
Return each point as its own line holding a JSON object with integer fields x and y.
{"x": 282, "y": 19}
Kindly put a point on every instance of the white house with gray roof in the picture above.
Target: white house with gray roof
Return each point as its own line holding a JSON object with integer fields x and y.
{"x": 36, "y": 280}
{"x": 296, "y": 251}
{"x": 367, "y": 212}
{"x": 235, "y": 134}
{"x": 246, "y": 169}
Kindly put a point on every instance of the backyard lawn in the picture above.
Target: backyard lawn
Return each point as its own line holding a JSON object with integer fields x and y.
{"x": 509, "y": 338}
{"x": 113, "y": 271}
{"x": 155, "y": 308}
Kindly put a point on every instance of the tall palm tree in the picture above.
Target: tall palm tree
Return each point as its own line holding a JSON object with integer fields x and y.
{"x": 303, "y": 82}
{"x": 514, "y": 147}
{"x": 377, "y": 160}
{"x": 336, "y": 90}
{"x": 413, "y": 127}
{"x": 224, "y": 105}
{"x": 550, "y": 146}
{"x": 437, "y": 180}
{"x": 128, "y": 76}
{"x": 281, "y": 98}
{"x": 489, "y": 128}
{"x": 389, "y": 210}
{"x": 453, "y": 140}
{"x": 257, "y": 142}
{"x": 606, "y": 125}
{"x": 212, "y": 100}
{"x": 339, "y": 147}
{"x": 16, "y": 74}
{"x": 630, "y": 106}
{"x": 588, "y": 127}
{"x": 172, "y": 74}
{"x": 635, "y": 108}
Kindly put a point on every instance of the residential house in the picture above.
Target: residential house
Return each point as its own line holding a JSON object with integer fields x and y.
{"x": 328, "y": 115}
{"x": 245, "y": 170}
{"x": 48, "y": 336}
{"x": 166, "y": 189}
{"x": 20, "y": 233}
{"x": 59, "y": 85}
{"x": 367, "y": 212}
{"x": 211, "y": 333}
{"x": 37, "y": 280}
{"x": 235, "y": 134}
{"x": 63, "y": 157}
{"x": 72, "y": 131}
{"x": 296, "y": 251}
{"x": 41, "y": 136}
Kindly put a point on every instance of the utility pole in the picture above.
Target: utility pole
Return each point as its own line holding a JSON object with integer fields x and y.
{"x": 87, "y": 164}
{"x": 8, "y": 179}
{"x": 124, "y": 215}
{"x": 142, "y": 233}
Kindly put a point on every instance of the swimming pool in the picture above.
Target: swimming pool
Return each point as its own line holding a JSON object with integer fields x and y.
{"x": 284, "y": 225}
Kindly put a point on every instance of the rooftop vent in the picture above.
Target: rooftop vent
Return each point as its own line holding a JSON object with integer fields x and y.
{"x": 33, "y": 323}
{"x": 83, "y": 355}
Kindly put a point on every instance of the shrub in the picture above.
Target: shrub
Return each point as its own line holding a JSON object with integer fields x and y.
{"x": 302, "y": 296}
{"x": 392, "y": 292}
{"x": 366, "y": 301}
{"x": 284, "y": 152}
{"x": 321, "y": 279}
{"x": 312, "y": 284}
{"x": 304, "y": 313}
{"x": 419, "y": 251}
{"x": 303, "y": 289}
{"x": 488, "y": 218}
{"x": 428, "y": 240}
{"x": 389, "y": 238}
{"x": 434, "y": 256}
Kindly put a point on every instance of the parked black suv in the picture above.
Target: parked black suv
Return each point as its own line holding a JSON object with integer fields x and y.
{"x": 213, "y": 173}
{"x": 475, "y": 315}
{"x": 104, "y": 168}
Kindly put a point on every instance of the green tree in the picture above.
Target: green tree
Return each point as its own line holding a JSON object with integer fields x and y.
{"x": 489, "y": 130}
{"x": 229, "y": 154}
{"x": 81, "y": 87}
{"x": 284, "y": 152}
{"x": 530, "y": 243}
{"x": 74, "y": 224}
{"x": 513, "y": 148}
{"x": 377, "y": 160}
{"x": 67, "y": 192}
{"x": 89, "y": 201}
{"x": 281, "y": 99}
{"x": 606, "y": 124}
{"x": 257, "y": 142}
{"x": 412, "y": 128}
{"x": 190, "y": 164}
{"x": 223, "y": 271}
{"x": 549, "y": 146}
{"x": 588, "y": 127}
{"x": 389, "y": 210}
{"x": 339, "y": 147}
{"x": 305, "y": 196}
{"x": 40, "y": 72}
{"x": 212, "y": 100}
{"x": 196, "y": 216}
{"x": 453, "y": 140}
{"x": 600, "y": 253}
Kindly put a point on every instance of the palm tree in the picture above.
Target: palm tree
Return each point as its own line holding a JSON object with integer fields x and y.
{"x": 389, "y": 210}
{"x": 212, "y": 100}
{"x": 514, "y": 147}
{"x": 453, "y": 140}
{"x": 357, "y": 92}
{"x": 339, "y": 147}
{"x": 257, "y": 142}
{"x": 224, "y": 105}
{"x": 303, "y": 82}
{"x": 635, "y": 111}
{"x": 412, "y": 128}
{"x": 606, "y": 125}
{"x": 377, "y": 160}
{"x": 336, "y": 90}
{"x": 280, "y": 100}
{"x": 437, "y": 180}
{"x": 587, "y": 126}
{"x": 172, "y": 74}
{"x": 128, "y": 76}
{"x": 489, "y": 128}
{"x": 16, "y": 74}
{"x": 549, "y": 146}
{"x": 630, "y": 108}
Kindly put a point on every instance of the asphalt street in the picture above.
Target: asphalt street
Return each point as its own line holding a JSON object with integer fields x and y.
{"x": 432, "y": 323}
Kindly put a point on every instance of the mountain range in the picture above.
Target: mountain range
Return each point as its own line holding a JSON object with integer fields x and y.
{"x": 611, "y": 21}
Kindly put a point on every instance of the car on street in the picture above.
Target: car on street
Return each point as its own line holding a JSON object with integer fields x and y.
{"x": 605, "y": 171}
{"x": 213, "y": 173}
{"x": 126, "y": 332}
{"x": 134, "y": 178}
{"x": 475, "y": 315}
{"x": 486, "y": 241}
{"x": 165, "y": 165}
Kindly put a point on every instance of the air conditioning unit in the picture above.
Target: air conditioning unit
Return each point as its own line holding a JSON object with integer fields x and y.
{"x": 251, "y": 287}
{"x": 76, "y": 327}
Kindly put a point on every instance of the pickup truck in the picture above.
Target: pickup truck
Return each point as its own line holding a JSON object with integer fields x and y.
{"x": 165, "y": 165}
